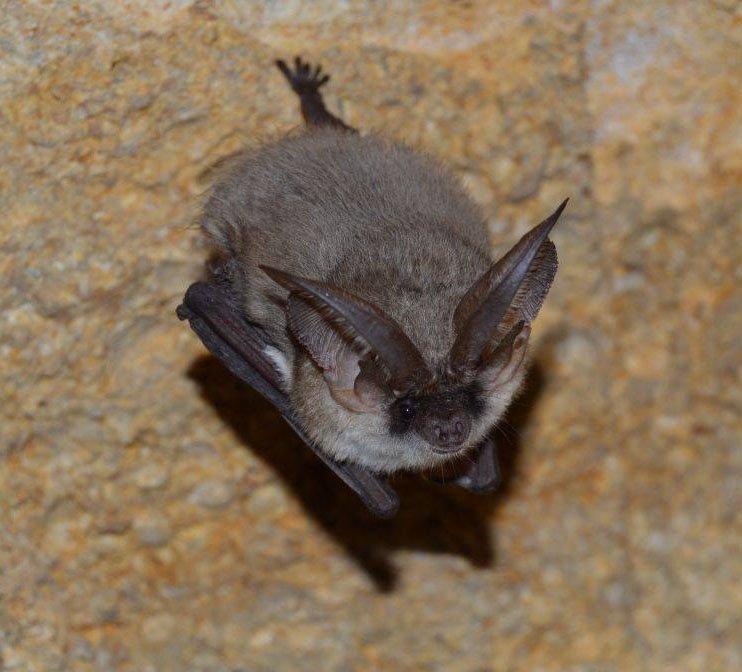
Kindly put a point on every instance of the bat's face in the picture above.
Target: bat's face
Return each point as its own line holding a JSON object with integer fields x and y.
{"x": 373, "y": 425}
{"x": 443, "y": 420}
{"x": 366, "y": 393}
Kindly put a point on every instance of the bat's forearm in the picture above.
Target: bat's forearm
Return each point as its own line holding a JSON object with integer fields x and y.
{"x": 241, "y": 347}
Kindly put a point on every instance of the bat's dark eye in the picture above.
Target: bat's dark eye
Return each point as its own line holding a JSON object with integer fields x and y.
{"x": 402, "y": 414}
{"x": 407, "y": 410}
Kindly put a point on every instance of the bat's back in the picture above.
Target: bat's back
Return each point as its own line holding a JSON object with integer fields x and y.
{"x": 373, "y": 217}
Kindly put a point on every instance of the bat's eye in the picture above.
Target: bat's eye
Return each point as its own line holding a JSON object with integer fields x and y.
{"x": 407, "y": 410}
{"x": 403, "y": 414}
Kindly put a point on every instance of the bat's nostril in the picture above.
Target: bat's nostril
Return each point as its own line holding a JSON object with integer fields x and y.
{"x": 441, "y": 434}
{"x": 449, "y": 429}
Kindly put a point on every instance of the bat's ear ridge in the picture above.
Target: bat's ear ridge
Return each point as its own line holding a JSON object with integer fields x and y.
{"x": 511, "y": 290}
{"x": 363, "y": 324}
{"x": 501, "y": 363}
{"x": 340, "y": 360}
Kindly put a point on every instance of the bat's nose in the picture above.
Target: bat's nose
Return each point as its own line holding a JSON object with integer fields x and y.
{"x": 446, "y": 428}
{"x": 449, "y": 434}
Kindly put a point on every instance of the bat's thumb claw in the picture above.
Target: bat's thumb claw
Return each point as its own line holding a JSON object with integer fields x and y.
{"x": 183, "y": 312}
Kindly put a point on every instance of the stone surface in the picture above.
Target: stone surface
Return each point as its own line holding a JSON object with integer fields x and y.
{"x": 157, "y": 516}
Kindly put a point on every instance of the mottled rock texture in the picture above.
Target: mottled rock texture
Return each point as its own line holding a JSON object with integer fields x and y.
{"x": 157, "y": 516}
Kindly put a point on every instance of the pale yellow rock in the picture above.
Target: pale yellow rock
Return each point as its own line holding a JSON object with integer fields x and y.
{"x": 158, "y": 629}
{"x": 152, "y": 529}
{"x": 212, "y": 494}
{"x": 151, "y": 476}
{"x": 155, "y": 516}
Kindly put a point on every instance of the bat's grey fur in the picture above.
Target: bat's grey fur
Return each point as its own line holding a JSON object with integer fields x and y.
{"x": 381, "y": 221}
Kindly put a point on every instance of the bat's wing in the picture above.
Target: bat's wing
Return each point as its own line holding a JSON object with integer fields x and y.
{"x": 241, "y": 345}
{"x": 483, "y": 475}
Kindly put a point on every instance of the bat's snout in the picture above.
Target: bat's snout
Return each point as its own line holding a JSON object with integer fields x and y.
{"x": 445, "y": 427}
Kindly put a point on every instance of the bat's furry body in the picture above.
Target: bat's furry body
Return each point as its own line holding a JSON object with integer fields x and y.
{"x": 399, "y": 342}
{"x": 370, "y": 216}
{"x": 375, "y": 218}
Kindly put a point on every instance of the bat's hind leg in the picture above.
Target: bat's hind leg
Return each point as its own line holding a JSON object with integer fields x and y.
{"x": 306, "y": 83}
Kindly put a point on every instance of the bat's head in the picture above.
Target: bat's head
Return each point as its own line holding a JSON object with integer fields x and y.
{"x": 367, "y": 394}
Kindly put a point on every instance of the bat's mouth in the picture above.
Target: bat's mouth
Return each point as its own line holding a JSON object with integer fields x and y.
{"x": 449, "y": 450}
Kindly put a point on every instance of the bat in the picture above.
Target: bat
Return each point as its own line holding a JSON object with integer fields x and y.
{"x": 354, "y": 290}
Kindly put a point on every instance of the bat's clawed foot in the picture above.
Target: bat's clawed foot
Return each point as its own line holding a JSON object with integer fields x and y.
{"x": 302, "y": 77}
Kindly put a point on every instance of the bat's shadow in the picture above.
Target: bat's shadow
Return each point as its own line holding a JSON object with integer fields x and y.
{"x": 432, "y": 518}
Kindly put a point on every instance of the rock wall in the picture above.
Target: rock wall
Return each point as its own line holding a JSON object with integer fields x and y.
{"x": 158, "y": 516}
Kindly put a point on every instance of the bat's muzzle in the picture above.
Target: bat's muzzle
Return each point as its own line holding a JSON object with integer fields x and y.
{"x": 445, "y": 426}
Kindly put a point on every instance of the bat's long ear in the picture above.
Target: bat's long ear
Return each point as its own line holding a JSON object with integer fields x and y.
{"x": 350, "y": 325}
{"x": 493, "y": 318}
{"x": 349, "y": 377}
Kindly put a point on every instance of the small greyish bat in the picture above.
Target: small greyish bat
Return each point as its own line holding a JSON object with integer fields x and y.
{"x": 355, "y": 292}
